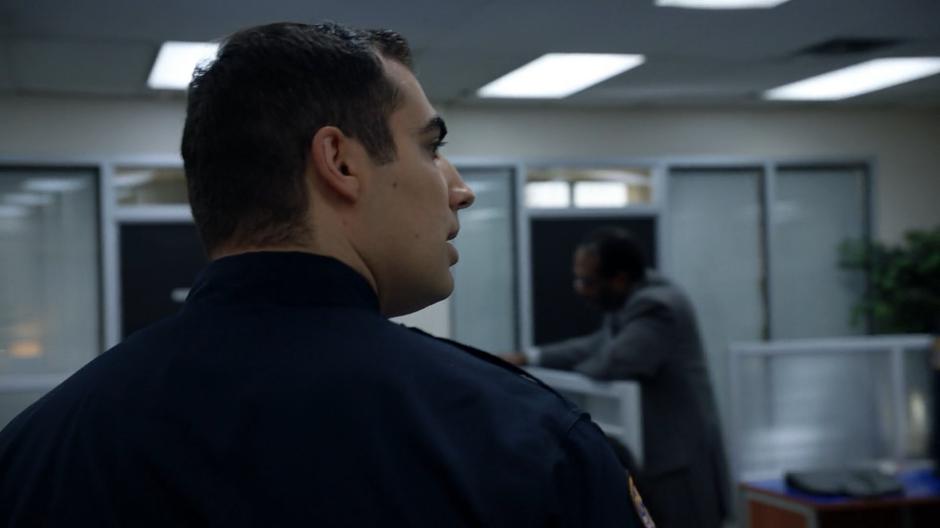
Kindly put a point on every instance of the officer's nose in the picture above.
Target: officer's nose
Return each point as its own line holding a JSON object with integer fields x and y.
{"x": 460, "y": 194}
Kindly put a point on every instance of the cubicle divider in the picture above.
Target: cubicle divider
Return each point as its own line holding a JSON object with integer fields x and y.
{"x": 825, "y": 403}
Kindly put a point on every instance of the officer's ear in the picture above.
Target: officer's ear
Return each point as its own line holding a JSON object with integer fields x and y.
{"x": 339, "y": 162}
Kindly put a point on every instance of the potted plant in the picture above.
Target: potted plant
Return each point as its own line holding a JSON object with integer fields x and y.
{"x": 903, "y": 294}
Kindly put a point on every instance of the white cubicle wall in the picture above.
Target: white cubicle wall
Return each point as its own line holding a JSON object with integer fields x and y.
{"x": 824, "y": 403}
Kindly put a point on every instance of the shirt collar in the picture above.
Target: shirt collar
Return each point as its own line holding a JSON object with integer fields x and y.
{"x": 285, "y": 278}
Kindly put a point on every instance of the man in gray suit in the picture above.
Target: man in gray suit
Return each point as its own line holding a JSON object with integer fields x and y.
{"x": 649, "y": 334}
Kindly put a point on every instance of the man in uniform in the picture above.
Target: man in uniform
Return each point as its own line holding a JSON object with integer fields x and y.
{"x": 281, "y": 395}
{"x": 649, "y": 334}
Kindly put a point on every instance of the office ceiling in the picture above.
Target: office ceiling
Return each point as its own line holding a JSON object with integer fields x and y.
{"x": 105, "y": 48}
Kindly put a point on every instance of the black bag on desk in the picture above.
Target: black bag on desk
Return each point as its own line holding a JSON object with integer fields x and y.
{"x": 863, "y": 483}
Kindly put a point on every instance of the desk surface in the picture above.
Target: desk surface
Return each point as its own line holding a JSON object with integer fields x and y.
{"x": 921, "y": 485}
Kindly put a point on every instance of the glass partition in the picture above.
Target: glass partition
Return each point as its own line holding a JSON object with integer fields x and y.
{"x": 829, "y": 403}
{"x": 483, "y": 306}
{"x": 50, "y": 279}
{"x": 816, "y": 209}
{"x": 715, "y": 247}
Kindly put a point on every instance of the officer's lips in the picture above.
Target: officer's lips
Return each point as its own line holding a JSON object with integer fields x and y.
{"x": 451, "y": 250}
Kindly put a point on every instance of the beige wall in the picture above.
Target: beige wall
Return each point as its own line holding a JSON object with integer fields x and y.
{"x": 904, "y": 143}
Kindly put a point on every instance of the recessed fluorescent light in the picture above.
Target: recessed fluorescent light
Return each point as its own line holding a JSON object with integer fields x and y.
{"x": 27, "y": 199}
{"x": 53, "y": 185}
{"x": 557, "y": 75}
{"x": 176, "y": 61}
{"x": 721, "y": 4}
{"x": 856, "y": 80}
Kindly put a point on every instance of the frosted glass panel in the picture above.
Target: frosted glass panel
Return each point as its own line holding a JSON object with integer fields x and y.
{"x": 484, "y": 301}
{"x": 814, "y": 211}
{"x": 49, "y": 273}
{"x": 810, "y": 411}
{"x": 832, "y": 402}
{"x": 714, "y": 252}
{"x": 49, "y": 280}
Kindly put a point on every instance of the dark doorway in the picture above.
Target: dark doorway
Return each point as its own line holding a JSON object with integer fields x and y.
{"x": 159, "y": 262}
{"x": 558, "y": 312}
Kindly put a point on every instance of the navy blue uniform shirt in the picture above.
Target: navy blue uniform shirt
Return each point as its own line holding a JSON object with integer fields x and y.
{"x": 280, "y": 396}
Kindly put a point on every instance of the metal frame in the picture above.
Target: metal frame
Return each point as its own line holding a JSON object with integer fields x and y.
{"x": 111, "y": 265}
{"x": 769, "y": 196}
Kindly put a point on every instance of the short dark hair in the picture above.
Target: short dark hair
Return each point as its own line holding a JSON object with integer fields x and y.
{"x": 617, "y": 251}
{"x": 252, "y": 113}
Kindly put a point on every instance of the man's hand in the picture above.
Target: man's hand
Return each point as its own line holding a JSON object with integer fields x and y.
{"x": 516, "y": 358}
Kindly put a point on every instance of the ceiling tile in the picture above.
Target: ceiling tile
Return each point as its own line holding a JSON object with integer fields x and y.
{"x": 66, "y": 65}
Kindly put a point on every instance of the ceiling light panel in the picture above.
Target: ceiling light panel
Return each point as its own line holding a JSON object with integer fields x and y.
{"x": 558, "y": 75}
{"x": 856, "y": 80}
{"x": 721, "y": 4}
{"x": 176, "y": 62}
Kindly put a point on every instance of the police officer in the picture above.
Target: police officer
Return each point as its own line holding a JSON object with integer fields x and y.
{"x": 281, "y": 394}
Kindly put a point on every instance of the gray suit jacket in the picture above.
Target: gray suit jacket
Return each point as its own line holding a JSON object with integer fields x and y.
{"x": 654, "y": 340}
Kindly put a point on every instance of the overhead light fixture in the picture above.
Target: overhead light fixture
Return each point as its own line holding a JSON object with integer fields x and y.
{"x": 51, "y": 185}
{"x": 27, "y": 199}
{"x": 176, "y": 62}
{"x": 558, "y": 75}
{"x": 855, "y": 80}
{"x": 721, "y": 4}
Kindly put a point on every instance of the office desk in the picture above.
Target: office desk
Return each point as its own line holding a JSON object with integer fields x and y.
{"x": 770, "y": 504}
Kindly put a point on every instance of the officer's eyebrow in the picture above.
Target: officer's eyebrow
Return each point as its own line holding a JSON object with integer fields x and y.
{"x": 435, "y": 124}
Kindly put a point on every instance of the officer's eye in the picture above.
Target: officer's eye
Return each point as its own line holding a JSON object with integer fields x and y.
{"x": 436, "y": 146}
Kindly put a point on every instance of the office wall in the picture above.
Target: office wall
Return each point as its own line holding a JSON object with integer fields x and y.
{"x": 904, "y": 143}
